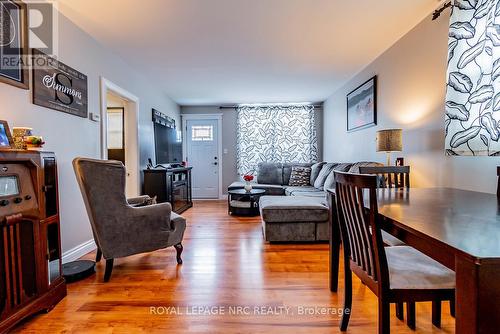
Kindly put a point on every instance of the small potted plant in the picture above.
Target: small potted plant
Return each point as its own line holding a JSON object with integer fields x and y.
{"x": 248, "y": 178}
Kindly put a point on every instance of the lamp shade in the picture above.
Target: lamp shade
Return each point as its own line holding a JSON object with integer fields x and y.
{"x": 390, "y": 140}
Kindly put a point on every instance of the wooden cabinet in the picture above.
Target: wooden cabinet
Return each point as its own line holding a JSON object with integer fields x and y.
{"x": 30, "y": 245}
{"x": 171, "y": 185}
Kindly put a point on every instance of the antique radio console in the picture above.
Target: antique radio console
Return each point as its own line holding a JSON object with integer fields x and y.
{"x": 30, "y": 248}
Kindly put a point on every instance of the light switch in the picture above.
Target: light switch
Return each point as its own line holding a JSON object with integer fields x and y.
{"x": 225, "y": 151}
{"x": 95, "y": 117}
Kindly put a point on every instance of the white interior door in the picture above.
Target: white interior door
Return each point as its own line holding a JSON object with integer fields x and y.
{"x": 202, "y": 155}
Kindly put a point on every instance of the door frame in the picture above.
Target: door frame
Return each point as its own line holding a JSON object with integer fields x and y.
{"x": 215, "y": 117}
{"x": 131, "y": 130}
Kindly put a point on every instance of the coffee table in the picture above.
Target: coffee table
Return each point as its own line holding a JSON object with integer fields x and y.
{"x": 244, "y": 203}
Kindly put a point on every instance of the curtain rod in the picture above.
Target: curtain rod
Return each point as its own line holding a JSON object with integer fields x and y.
{"x": 437, "y": 12}
{"x": 234, "y": 106}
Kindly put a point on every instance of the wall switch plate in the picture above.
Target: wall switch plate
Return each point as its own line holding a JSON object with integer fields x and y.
{"x": 225, "y": 151}
{"x": 95, "y": 117}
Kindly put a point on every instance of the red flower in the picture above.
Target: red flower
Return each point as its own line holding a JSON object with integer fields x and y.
{"x": 248, "y": 177}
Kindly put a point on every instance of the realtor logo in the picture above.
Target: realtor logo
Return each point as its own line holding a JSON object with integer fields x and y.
{"x": 43, "y": 26}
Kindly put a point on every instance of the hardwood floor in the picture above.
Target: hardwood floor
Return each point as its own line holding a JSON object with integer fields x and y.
{"x": 226, "y": 265}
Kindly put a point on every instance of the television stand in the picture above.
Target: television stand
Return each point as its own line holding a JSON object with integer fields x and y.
{"x": 171, "y": 185}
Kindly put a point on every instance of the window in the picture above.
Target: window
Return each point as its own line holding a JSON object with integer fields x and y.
{"x": 115, "y": 129}
{"x": 275, "y": 133}
{"x": 202, "y": 133}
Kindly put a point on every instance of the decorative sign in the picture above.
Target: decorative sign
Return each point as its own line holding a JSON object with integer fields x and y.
{"x": 58, "y": 86}
{"x": 162, "y": 119}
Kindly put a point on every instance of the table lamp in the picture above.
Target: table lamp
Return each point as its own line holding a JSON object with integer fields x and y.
{"x": 390, "y": 140}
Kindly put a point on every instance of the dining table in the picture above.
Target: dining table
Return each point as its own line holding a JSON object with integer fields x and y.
{"x": 458, "y": 228}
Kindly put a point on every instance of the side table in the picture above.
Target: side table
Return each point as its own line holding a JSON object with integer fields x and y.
{"x": 244, "y": 203}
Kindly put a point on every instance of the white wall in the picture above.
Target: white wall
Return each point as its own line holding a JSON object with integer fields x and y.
{"x": 70, "y": 136}
{"x": 411, "y": 96}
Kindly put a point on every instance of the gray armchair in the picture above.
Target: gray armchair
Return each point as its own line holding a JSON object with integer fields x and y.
{"x": 119, "y": 228}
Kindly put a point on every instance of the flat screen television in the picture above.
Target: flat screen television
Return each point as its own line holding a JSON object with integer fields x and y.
{"x": 168, "y": 143}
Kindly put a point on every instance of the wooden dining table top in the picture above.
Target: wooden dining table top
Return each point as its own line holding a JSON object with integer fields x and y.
{"x": 465, "y": 221}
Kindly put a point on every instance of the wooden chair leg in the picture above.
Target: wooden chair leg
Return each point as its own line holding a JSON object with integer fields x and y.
{"x": 98, "y": 255}
{"x": 179, "y": 249}
{"x": 346, "y": 312}
{"x": 399, "y": 311}
{"x": 384, "y": 317}
{"x": 334, "y": 258}
{"x": 108, "y": 270}
{"x": 452, "y": 307}
{"x": 410, "y": 315}
{"x": 436, "y": 313}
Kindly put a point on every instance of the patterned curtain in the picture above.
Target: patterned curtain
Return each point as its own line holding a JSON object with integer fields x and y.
{"x": 275, "y": 133}
{"x": 473, "y": 89}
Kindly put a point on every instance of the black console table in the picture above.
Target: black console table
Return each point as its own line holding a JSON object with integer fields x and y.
{"x": 171, "y": 185}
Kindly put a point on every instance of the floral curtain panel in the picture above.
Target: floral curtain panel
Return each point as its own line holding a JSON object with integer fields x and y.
{"x": 275, "y": 133}
{"x": 473, "y": 89}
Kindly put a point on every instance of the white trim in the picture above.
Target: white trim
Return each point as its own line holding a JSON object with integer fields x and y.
{"x": 217, "y": 117}
{"x": 132, "y": 132}
{"x": 201, "y": 116}
{"x": 79, "y": 251}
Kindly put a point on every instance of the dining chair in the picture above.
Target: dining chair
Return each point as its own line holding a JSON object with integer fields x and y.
{"x": 398, "y": 274}
{"x": 390, "y": 176}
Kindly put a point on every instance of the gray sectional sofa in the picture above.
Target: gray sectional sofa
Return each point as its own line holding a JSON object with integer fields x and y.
{"x": 297, "y": 214}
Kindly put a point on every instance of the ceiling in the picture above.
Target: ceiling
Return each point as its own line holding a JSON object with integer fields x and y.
{"x": 208, "y": 52}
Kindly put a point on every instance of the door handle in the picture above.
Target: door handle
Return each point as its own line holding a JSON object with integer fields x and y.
{"x": 215, "y": 163}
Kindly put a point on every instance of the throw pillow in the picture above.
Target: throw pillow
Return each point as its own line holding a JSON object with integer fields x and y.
{"x": 300, "y": 176}
{"x": 325, "y": 171}
{"x": 330, "y": 181}
{"x": 147, "y": 201}
{"x": 315, "y": 169}
{"x": 355, "y": 167}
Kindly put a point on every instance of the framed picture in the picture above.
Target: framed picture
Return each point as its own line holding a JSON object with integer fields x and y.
{"x": 13, "y": 43}
{"x": 362, "y": 106}
{"x": 6, "y": 141}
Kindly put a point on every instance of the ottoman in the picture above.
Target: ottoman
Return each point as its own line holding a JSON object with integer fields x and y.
{"x": 294, "y": 218}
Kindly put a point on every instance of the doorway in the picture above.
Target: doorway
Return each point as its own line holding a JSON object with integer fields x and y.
{"x": 120, "y": 132}
{"x": 116, "y": 133}
{"x": 203, "y": 145}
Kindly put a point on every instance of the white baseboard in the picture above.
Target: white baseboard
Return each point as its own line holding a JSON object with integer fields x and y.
{"x": 79, "y": 251}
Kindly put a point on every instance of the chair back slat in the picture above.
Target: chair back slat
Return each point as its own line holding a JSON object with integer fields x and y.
{"x": 363, "y": 226}
{"x": 347, "y": 211}
{"x": 390, "y": 176}
{"x": 358, "y": 220}
{"x": 361, "y": 235}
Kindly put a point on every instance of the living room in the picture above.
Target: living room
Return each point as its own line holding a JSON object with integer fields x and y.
{"x": 249, "y": 166}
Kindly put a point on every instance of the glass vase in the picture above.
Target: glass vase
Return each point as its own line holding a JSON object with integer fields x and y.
{"x": 248, "y": 186}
